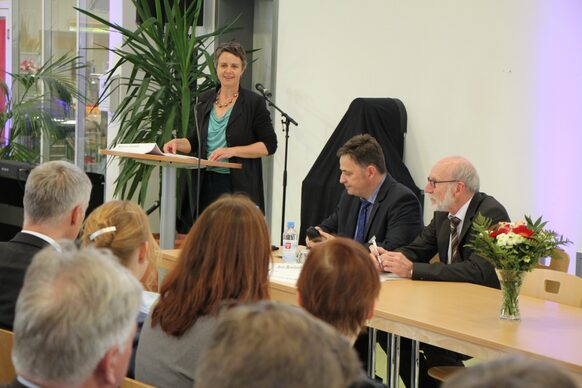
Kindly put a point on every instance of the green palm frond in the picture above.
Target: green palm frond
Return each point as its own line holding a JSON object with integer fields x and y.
{"x": 170, "y": 68}
{"x": 28, "y": 105}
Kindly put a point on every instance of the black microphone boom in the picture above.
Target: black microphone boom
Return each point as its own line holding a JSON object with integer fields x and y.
{"x": 264, "y": 91}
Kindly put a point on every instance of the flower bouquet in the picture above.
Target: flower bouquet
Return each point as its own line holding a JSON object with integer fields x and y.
{"x": 513, "y": 248}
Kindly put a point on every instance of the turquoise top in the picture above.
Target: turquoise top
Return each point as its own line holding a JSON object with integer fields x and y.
{"x": 217, "y": 137}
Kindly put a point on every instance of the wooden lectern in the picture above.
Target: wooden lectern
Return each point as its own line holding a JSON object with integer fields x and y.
{"x": 169, "y": 163}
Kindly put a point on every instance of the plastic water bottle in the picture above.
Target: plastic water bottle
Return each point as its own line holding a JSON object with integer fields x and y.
{"x": 289, "y": 246}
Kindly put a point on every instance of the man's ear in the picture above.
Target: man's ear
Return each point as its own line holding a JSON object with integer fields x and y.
{"x": 77, "y": 215}
{"x": 106, "y": 368}
{"x": 371, "y": 171}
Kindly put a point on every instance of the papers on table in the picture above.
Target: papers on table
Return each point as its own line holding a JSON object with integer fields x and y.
{"x": 146, "y": 148}
{"x": 389, "y": 276}
{"x": 286, "y": 272}
{"x": 289, "y": 273}
{"x": 139, "y": 148}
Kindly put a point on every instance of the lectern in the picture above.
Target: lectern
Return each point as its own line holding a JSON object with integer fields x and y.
{"x": 169, "y": 163}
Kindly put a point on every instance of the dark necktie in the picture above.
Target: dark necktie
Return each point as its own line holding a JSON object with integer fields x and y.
{"x": 455, "y": 256}
{"x": 362, "y": 215}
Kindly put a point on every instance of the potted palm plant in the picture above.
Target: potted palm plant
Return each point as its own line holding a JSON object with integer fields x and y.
{"x": 170, "y": 67}
{"x": 30, "y": 106}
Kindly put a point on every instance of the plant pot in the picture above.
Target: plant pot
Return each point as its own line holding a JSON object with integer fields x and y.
{"x": 511, "y": 281}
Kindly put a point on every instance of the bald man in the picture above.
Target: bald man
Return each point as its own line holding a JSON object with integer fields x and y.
{"x": 453, "y": 187}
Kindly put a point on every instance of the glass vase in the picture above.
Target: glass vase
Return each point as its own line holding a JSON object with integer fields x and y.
{"x": 511, "y": 281}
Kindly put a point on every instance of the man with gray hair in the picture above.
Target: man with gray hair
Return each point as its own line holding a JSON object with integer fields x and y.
{"x": 270, "y": 344}
{"x": 75, "y": 319}
{"x": 453, "y": 187}
{"x": 56, "y": 197}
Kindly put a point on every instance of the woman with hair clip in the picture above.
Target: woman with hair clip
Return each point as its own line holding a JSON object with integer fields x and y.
{"x": 224, "y": 262}
{"x": 123, "y": 227}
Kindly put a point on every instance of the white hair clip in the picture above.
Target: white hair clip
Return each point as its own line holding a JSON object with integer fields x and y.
{"x": 101, "y": 231}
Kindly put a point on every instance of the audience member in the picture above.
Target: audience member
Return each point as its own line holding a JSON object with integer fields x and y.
{"x": 453, "y": 187}
{"x": 511, "y": 372}
{"x": 224, "y": 261}
{"x": 56, "y": 197}
{"x": 339, "y": 284}
{"x": 75, "y": 319}
{"x": 268, "y": 344}
{"x": 123, "y": 227}
{"x": 374, "y": 203}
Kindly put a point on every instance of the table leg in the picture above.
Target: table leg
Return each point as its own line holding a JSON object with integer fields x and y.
{"x": 168, "y": 208}
{"x": 393, "y": 358}
{"x": 371, "y": 352}
{"x": 414, "y": 362}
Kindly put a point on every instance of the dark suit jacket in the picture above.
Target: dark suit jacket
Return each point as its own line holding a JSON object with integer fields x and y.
{"x": 435, "y": 239}
{"x": 14, "y": 384}
{"x": 15, "y": 257}
{"x": 249, "y": 123}
{"x": 395, "y": 218}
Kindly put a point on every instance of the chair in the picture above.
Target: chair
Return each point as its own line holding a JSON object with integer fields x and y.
{"x": 555, "y": 286}
{"x": 7, "y": 372}
{"x": 131, "y": 383}
{"x": 559, "y": 261}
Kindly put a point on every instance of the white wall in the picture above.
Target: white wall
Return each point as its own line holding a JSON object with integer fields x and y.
{"x": 498, "y": 81}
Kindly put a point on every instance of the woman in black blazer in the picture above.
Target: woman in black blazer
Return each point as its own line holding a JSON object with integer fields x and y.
{"x": 235, "y": 126}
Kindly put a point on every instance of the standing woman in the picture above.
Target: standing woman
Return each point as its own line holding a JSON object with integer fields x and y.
{"x": 235, "y": 127}
{"x": 224, "y": 262}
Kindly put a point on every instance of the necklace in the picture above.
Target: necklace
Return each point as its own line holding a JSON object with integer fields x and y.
{"x": 224, "y": 105}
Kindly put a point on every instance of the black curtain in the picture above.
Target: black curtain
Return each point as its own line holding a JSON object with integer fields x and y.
{"x": 383, "y": 118}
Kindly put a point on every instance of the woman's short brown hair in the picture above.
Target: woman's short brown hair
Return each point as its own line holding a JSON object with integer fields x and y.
{"x": 233, "y": 48}
{"x": 339, "y": 284}
{"x": 225, "y": 258}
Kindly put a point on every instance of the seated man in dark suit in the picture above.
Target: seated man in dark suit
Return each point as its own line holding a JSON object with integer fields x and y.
{"x": 453, "y": 186}
{"x": 374, "y": 204}
{"x": 56, "y": 196}
{"x": 75, "y": 319}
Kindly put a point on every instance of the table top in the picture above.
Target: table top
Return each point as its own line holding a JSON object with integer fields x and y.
{"x": 464, "y": 317}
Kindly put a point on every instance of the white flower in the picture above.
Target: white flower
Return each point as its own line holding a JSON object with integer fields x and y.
{"x": 502, "y": 239}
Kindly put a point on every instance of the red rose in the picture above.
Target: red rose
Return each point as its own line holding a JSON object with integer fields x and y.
{"x": 502, "y": 227}
{"x": 523, "y": 230}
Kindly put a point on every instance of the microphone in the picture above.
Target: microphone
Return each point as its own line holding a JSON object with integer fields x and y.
{"x": 264, "y": 91}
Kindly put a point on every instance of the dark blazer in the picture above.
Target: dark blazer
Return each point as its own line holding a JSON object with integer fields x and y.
{"x": 14, "y": 384}
{"x": 15, "y": 257}
{"x": 395, "y": 218}
{"x": 435, "y": 239}
{"x": 249, "y": 123}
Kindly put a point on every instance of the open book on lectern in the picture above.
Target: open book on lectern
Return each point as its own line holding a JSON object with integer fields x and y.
{"x": 145, "y": 148}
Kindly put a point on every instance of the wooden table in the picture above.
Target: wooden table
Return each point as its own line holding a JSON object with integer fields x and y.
{"x": 464, "y": 317}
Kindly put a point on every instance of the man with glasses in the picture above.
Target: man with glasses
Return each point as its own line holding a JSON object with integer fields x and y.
{"x": 453, "y": 187}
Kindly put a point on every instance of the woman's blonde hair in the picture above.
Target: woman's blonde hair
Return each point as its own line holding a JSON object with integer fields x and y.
{"x": 131, "y": 230}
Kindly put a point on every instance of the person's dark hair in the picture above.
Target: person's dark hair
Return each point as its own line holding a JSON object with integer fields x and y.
{"x": 511, "y": 372}
{"x": 339, "y": 270}
{"x": 270, "y": 344}
{"x": 225, "y": 258}
{"x": 233, "y": 48}
{"x": 364, "y": 150}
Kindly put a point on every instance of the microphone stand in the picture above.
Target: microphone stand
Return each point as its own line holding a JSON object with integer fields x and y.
{"x": 285, "y": 121}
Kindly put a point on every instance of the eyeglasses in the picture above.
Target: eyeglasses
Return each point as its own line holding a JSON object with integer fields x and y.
{"x": 433, "y": 182}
